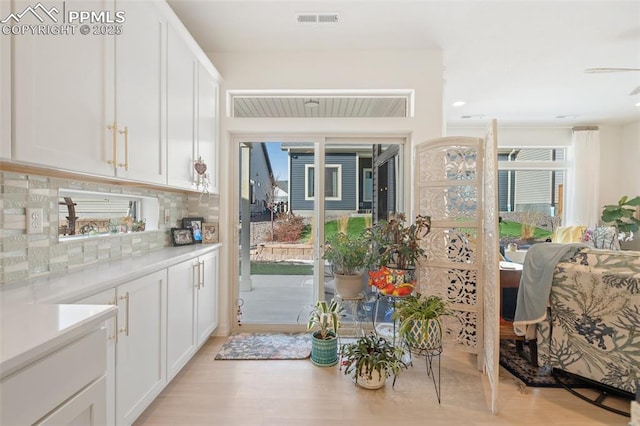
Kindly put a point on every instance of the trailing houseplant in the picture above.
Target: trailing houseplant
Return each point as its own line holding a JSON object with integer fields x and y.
{"x": 395, "y": 250}
{"x": 371, "y": 360}
{"x": 419, "y": 320}
{"x": 347, "y": 255}
{"x": 622, "y": 216}
{"x": 325, "y": 317}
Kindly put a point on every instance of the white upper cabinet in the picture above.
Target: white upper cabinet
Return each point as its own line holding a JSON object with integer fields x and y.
{"x": 59, "y": 96}
{"x": 138, "y": 94}
{"x": 135, "y": 103}
{"x": 207, "y": 128}
{"x": 181, "y": 148}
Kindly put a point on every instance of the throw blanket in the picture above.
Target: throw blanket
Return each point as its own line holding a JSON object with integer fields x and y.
{"x": 535, "y": 283}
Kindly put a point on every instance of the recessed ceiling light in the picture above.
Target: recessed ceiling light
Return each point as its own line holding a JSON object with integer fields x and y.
{"x": 638, "y": 104}
{"x": 458, "y": 103}
{"x": 472, "y": 116}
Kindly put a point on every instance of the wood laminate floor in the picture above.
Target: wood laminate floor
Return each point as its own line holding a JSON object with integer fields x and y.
{"x": 248, "y": 393}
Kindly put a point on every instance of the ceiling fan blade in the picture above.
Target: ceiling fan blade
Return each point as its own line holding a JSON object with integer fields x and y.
{"x": 603, "y": 70}
{"x": 635, "y": 91}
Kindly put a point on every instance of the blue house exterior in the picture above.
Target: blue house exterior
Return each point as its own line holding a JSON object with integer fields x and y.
{"x": 348, "y": 182}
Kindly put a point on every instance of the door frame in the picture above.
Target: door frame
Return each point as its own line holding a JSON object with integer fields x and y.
{"x": 230, "y": 206}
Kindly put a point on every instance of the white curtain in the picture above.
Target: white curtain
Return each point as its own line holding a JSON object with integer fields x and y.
{"x": 582, "y": 189}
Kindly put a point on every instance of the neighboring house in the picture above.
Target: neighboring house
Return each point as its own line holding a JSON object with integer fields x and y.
{"x": 349, "y": 179}
{"x": 261, "y": 181}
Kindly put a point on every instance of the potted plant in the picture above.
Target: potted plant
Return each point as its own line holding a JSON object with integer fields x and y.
{"x": 622, "y": 216}
{"x": 371, "y": 360}
{"x": 396, "y": 246}
{"x": 347, "y": 255}
{"x": 324, "y": 341}
{"x": 419, "y": 321}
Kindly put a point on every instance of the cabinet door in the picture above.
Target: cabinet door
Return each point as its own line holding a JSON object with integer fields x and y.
{"x": 87, "y": 408}
{"x": 59, "y": 98}
{"x": 207, "y": 124}
{"x": 141, "y": 350}
{"x": 108, "y": 298}
{"x": 181, "y": 69}
{"x": 138, "y": 65}
{"x": 181, "y": 327}
{"x": 208, "y": 296}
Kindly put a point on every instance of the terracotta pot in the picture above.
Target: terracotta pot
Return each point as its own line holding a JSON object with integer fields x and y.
{"x": 348, "y": 286}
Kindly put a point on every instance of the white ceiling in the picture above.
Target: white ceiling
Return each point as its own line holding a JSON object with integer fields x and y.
{"x": 521, "y": 62}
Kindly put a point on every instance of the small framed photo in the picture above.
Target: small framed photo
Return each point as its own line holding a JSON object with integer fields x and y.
{"x": 195, "y": 224}
{"x": 210, "y": 233}
{"x": 181, "y": 236}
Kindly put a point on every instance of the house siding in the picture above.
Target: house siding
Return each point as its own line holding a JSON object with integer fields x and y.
{"x": 297, "y": 181}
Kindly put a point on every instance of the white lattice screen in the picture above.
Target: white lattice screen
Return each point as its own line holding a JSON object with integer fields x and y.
{"x": 453, "y": 187}
{"x": 448, "y": 188}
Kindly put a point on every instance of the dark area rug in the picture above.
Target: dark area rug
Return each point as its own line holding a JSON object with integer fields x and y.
{"x": 252, "y": 346}
{"x": 540, "y": 377}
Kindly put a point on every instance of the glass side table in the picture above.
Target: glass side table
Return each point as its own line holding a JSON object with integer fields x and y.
{"x": 354, "y": 305}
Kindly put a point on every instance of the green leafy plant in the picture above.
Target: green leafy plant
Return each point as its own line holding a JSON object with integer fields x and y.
{"x": 421, "y": 309}
{"x": 396, "y": 243}
{"x": 622, "y": 216}
{"x": 369, "y": 354}
{"x": 326, "y": 317}
{"x": 347, "y": 254}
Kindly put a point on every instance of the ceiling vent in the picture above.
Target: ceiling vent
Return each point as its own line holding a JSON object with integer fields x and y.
{"x": 317, "y": 18}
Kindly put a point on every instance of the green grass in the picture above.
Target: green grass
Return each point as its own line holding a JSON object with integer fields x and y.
{"x": 280, "y": 268}
{"x": 514, "y": 229}
{"x": 355, "y": 227}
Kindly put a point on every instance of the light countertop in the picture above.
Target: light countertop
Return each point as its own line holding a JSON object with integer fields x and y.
{"x": 37, "y": 317}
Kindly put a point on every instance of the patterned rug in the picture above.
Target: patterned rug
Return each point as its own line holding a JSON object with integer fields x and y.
{"x": 266, "y": 346}
{"x": 518, "y": 366}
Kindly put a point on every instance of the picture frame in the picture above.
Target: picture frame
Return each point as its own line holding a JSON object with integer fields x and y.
{"x": 195, "y": 225}
{"x": 181, "y": 236}
{"x": 210, "y": 233}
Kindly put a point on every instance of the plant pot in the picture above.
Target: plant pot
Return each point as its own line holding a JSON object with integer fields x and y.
{"x": 420, "y": 341}
{"x": 402, "y": 276}
{"x": 324, "y": 352}
{"x": 376, "y": 381}
{"x": 348, "y": 286}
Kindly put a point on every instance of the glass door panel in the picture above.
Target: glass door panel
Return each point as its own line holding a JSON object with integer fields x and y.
{"x": 276, "y": 246}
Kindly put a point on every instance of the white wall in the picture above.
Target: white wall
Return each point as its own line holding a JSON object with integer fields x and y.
{"x": 520, "y": 136}
{"x": 289, "y": 70}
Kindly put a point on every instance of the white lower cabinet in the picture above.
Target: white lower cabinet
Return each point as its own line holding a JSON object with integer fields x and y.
{"x": 208, "y": 297}
{"x": 192, "y": 308}
{"x": 108, "y": 298}
{"x": 65, "y": 387}
{"x": 140, "y": 347}
{"x": 87, "y": 408}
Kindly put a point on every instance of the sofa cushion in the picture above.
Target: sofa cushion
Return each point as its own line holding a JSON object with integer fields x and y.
{"x": 602, "y": 237}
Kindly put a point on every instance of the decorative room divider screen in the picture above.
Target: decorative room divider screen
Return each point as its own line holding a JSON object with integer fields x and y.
{"x": 449, "y": 178}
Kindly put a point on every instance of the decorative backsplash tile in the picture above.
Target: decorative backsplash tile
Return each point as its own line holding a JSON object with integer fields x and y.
{"x": 25, "y": 256}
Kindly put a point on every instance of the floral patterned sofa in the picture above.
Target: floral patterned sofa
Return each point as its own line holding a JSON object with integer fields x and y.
{"x": 593, "y": 329}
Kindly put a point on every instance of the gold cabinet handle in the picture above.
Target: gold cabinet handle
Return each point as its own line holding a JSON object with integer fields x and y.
{"x": 125, "y": 329}
{"x": 201, "y": 274}
{"x": 125, "y": 132}
{"x": 114, "y": 131}
{"x": 196, "y": 273}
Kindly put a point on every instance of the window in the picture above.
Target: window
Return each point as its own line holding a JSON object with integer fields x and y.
{"x": 332, "y": 182}
{"x": 531, "y": 179}
{"x": 367, "y": 185}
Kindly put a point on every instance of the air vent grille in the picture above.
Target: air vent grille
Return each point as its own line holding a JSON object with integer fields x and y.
{"x": 315, "y": 18}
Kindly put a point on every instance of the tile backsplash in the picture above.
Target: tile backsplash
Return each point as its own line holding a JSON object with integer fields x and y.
{"x": 24, "y": 256}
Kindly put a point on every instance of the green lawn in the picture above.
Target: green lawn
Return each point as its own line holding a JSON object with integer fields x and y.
{"x": 280, "y": 268}
{"x": 355, "y": 227}
{"x": 514, "y": 229}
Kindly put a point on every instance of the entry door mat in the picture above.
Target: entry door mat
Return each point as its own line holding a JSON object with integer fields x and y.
{"x": 537, "y": 377}
{"x": 253, "y": 346}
